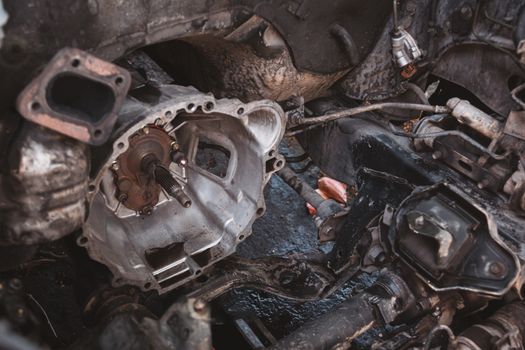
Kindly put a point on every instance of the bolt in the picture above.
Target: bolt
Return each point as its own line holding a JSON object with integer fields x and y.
{"x": 164, "y": 178}
{"x": 419, "y": 221}
{"x": 496, "y": 268}
{"x": 145, "y": 130}
{"x": 175, "y": 146}
{"x": 122, "y": 197}
{"x": 437, "y": 155}
{"x": 147, "y": 210}
{"x": 115, "y": 166}
{"x": 199, "y": 305}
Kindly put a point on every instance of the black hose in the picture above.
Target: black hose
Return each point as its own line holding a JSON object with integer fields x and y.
{"x": 337, "y": 327}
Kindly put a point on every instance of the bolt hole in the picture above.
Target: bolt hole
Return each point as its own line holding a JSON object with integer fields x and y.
{"x": 35, "y": 106}
{"x": 271, "y": 153}
{"x": 83, "y": 240}
{"x": 198, "y": 272}
{"x": 208, "y": 106}
{"x": 120, "y": 145}
{"x": 241, "y": 237}
{"x": 92, "y": 188}
{"x": 260, "y": 211}
{"x": 168, "y": 114}
{"x": 147, "y": 285}
{"x": 191, "y": 106}
{"x": 75, "y": 63}
{"x": 98, "y": 133}
{"x": 119, "y": 80}
{"x": 240, "y": 111}
{"x": 279, "y": 164}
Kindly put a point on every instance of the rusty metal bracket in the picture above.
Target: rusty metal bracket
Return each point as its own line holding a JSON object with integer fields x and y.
{"x": 77, "y": 94}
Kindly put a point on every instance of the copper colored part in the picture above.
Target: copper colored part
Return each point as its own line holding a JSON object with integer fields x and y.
{"x": 408, "y": 71}
{"x": 333, "y": 189}
{"x": 311, "y": 210}
{"x": 77, "y": 95}
{"x": 329, "y": 189}
{"x": 136, "y": 188}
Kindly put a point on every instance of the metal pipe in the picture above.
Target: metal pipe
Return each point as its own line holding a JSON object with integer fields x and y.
{"x": 503, "y": 330}
{"x": 325, "y": 208}
{"x": 378, "y": 106}
{"x": 337, "y": 327}
{"x": 302, "y": 188}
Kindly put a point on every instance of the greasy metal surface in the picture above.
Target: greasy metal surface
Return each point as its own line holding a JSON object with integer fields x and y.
{"x": 484, "y": 265}
{"x": 136, "y": 189}
{"x": 39, "y": 102}
{"x": 231, "y": 69}
{"x": 186, "y": 240}
{"x": 45, "y": 187}
{"x": 305, "y": 25}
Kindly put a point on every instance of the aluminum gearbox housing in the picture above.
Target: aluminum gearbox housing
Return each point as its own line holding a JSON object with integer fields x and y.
{"x": 180, "y": 184}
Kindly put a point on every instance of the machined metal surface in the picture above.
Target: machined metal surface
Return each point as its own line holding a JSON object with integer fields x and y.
{"x": 77, "y": 95}
{"x": 170, "y": 243}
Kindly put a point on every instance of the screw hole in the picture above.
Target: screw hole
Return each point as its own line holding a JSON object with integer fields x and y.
{"x": 120, "y": 145}
{"x": 119, "y": 80}
{"x": 147, "y": 285}
{"x": 92, "y": 188}
{"x": 260, "y": 211}
{"x": 75, "y": 63}
{"x": 97, "y": 133}
{"x": 168, "y": 114}
{"x": 198, "y": 272}
{"x": 279, "y": 164}
{"x": 271, "y": 153}
{"x": 241, "y": 237}
{"x": 240, "y": 111}
{"x": 208, "y": 106}
{"x": 191, "y": 106}
{"x": 83, "y": 240}
{"x": 35, "y": 106}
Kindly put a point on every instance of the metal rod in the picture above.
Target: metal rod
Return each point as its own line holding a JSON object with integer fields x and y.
{"x": 378, "y": 106}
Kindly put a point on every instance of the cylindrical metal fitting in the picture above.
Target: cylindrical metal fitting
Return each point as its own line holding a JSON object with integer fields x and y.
{"x": 478, "y": 120}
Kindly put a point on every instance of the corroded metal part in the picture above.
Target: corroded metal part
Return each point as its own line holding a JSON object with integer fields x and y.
{"x": 174, "y": 243}
{"x": 45, "y": 189}
{"x": 77, "y": 95}
{"x": 136, "y": 190}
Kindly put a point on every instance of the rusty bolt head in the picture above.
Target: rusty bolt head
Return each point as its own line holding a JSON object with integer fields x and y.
{"x": 175, "y": 146}
{"x": 115, "y": 166}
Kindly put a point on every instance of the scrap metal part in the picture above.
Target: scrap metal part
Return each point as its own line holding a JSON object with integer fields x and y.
{"x": 44, "y": 192}
{"x": 77, "y": 95}
{"x": 171, "y": 243}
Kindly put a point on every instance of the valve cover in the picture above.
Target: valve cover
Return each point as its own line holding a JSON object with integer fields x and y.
{"x": 182, "y": 185}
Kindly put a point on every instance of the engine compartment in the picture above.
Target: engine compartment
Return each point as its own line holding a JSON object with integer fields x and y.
{"x": 262, "y": 174}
